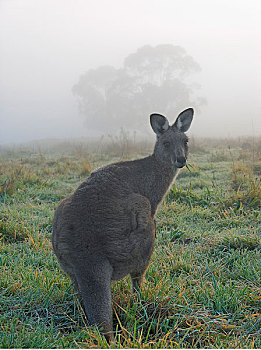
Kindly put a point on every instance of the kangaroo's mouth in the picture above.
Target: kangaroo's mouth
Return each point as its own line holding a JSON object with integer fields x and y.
{"x": 179, "y": 162}
{"x": 180, "y": 165}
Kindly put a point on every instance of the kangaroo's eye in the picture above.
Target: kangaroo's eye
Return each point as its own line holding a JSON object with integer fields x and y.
{"x": 186, "y": 142}
{"x": 166, "y": 144}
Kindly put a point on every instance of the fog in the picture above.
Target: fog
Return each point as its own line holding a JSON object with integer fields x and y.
{"x": 47, "y": 45}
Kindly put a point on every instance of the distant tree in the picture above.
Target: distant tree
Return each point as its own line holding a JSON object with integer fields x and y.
{"x": 152, "y": 80}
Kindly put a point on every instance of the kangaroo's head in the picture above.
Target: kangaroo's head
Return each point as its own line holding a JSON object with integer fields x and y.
{"x": 172, "y": 144}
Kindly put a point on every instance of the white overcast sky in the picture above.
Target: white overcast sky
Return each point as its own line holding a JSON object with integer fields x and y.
{"x": 45, "y": 45}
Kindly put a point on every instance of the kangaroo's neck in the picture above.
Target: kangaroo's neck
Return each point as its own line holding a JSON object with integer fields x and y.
{"x": 155, "y": 180}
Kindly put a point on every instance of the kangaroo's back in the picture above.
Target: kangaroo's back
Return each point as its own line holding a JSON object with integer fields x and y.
{"x": 106, "y": 229}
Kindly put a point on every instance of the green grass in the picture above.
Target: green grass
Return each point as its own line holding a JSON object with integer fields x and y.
{"x": 203, "y": 285}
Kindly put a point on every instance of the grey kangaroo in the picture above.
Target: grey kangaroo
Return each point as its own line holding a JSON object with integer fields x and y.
{"x": 106, "y": 229}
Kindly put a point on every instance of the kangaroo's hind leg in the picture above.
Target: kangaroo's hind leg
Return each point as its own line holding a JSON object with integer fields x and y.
{"x": 137, "y": 280}
{"x": 137, "y": 276}
{"x": 94, "y": 283}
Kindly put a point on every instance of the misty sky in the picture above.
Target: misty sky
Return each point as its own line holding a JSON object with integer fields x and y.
{"x": 45, "y": 45}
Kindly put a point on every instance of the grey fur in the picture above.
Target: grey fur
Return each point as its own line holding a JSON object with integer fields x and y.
{"x": 106, "y": 229}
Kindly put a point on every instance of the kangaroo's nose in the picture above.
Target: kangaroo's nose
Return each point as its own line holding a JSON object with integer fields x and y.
{"x": 180, "y": 162}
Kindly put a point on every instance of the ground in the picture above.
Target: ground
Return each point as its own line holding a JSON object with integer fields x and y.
{"x": 203, "y": 285}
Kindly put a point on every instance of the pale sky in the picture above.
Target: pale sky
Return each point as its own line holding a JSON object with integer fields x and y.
{"x": 45, "y": 45}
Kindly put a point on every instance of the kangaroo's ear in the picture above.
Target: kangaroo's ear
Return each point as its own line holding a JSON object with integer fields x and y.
{"x": 184, "y": 119}
{"x": 159, "y": 123}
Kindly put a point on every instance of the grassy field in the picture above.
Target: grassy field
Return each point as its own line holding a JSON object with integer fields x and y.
{"x": 203, "y": 286}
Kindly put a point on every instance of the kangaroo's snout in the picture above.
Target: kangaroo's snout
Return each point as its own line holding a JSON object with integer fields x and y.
{"x": 180, "y": 162}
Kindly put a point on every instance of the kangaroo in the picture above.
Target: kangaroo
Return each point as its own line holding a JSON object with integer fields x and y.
{"x": 106, "y": 229}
